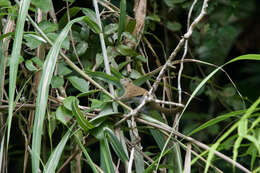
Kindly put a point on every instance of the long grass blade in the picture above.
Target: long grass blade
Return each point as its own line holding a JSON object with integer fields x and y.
{"x": 14, "y": 61}
{"x": 106, "y": 158}
{"x": 42, "y": 96}
{"x": 55, "y": 156}
{"x": 122, "y": 20}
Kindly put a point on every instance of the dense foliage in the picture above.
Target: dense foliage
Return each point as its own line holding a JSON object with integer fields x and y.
{"x": 60, "y": 68}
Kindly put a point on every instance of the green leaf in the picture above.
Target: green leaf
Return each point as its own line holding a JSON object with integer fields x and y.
{"x": 42, "y": 95}
{"x": 236, "y": 146}
{"x": 7, "y": 35}
{"x": 211, "y": 155}
{"x": 37, "y": 61}
{"x": 104, "y": 77}
{"x": 90, "y": 13}
{"x": 14, "y": 62}
{"x": 44, "y": 5}
{"x": 63, "y": 69}
{"x": 140, "y": 81}
{"x": 174, "y": 26}
{"x": 122, "y": 20}
{"x": 94, "y": 26}
{"x": 111, "y": 28}
{"x": 63, "y": 115}
{"x": 53, "y": 160}
{"x": 242, "y": 127}
{"x": 102, "y": 116}
{"x": 171, "y": 3}
{"x": 82, "y": 121}
{"x": 47, "y": 26}
{"x": 217, "y": 120}
{"x": 118, "y": 148}
{"x": 116, "y": 73}
{"x": 111, "y": 54}
{"x": 5, "y": 3}
{"x": 158, "y": 137}
{"x": 85, "y": 94}
{"x": 194, "y": 83}
{"x": 123, "y": 64}
{"x": 30, "y": 66}
{"x": 79, "y": 83}
{"x": 254, "y": 141}
{"x": 135, "y": 74}
{"x": 90, "y": 20}
{"x": 57, "y": 82}
{"x": 243, "y": 122}
{"x": 71, "y": 1}
{"x": 81, "y": 48}
{"x": 141, "y": 58}
{"x": 67, "y": 102}
{"x": 33, "y": 41}
{"x": 20, "y": 60}
{"x": 95, "y": 103}
{"x": 245, "y": 57}
{"x": 64, "y": 19}
{"x": 99, "y": 60}
{"x": 153, "y": 17}
{"x": 130, "y": 26}
{"x": 126, "y": 51}
{"x": 65, "y": 43}
{"x": 129, "y": 36}
{"x": 106, "y": 159}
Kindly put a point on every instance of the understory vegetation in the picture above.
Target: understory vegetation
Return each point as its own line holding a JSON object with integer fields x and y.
{"x": 60, "y": 68}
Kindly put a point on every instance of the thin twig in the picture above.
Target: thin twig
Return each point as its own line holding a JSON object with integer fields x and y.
{"x": 187, "y": 163}
{"x": 181, "y": 65}
{"x": 72, "y": 38}
{"x": 166, "y": 102}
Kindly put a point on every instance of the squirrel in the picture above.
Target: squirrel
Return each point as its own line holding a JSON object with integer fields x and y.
{"x": 134, "y": 94}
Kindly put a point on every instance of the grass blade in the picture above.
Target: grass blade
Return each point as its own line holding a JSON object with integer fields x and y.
{"x": 118, "y": 148}
{"x": 122, "y": 20}
{"x": 14, "y": 61}
{"x": 42, "y": 95}
{"x": 55, "y": 156}
{"x": 217, "y": 120}
{"x": 106, "y": 159}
